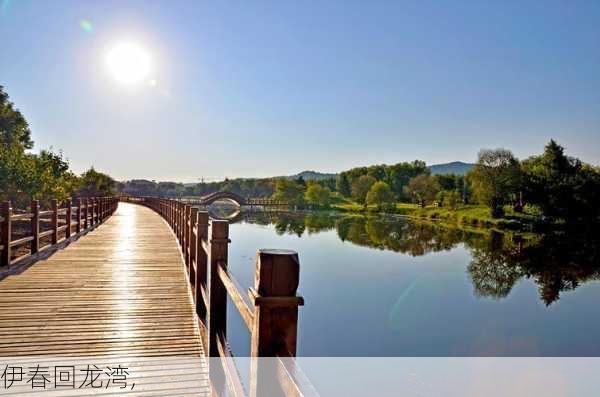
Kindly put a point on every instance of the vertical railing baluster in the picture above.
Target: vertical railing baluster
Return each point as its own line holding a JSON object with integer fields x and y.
{"x": 78, "y": 215}
{"x": 186, "y": 238}
{"x": 181, "y": 213}
{"x": 217, "y": 311}
{"x": 5, "y": 233}
{"x": 87, "y": 213}
{"x": 54, "y": 204}
{"x": 35, "y": 226}
{"x": 95, "y": 211}
{"x": 68, "y": 219}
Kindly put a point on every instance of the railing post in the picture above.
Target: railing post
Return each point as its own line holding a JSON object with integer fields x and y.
{"x": 186, "y": 237}
{"x": 176, "y": 219}
{"x": 192, "y": 244}
{"x": 217, "y": 311}
{"x": 54, "y": 204}
{"x": 180, "y": 222}
{"x": 169, "y": 212}
{"x": 5, "y": 233}
{"x": 78, "y": 215}
{"x": 275, "y": 304}
{"x": 68, "y": 219}
{"x": 35, "y": 226}
{"x": 181, "y": 212}
{"x": 173, "y": 224}
{"x": 201, "y": 264}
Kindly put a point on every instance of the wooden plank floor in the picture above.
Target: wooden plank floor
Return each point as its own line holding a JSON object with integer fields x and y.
{"x": 117, "y": 293}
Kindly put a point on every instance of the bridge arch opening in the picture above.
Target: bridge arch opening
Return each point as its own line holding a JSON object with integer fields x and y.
{"x": 223, "y": 196}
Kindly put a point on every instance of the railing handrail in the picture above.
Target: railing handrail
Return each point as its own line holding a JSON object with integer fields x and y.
{"x": 273, "y": 332}
{"x": 88, "y": 213}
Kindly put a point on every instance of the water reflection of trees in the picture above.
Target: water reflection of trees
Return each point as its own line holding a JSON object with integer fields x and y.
{"x": 556, "y": 262}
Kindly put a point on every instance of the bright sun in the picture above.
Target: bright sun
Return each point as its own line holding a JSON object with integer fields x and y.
{"x": 128, "y": 62}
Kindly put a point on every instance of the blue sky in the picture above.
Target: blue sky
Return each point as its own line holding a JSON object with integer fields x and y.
{"x": 253, "y": 88}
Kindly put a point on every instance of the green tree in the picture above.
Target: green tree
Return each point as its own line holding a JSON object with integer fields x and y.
{"x": 361, "y": 186}
{"x": 14, "y": 129}
{"x": 422, "y": 189}
{"x": 381, "y": 195}
{"x": 17, "y": 170}
{"x": 496, "y": 179}
{"x": 399, "y": 175}
{"x": 317, "y": 195}
{"x": 52, "y": 178}
{"x": 93, "y": 184}
{"x": 561, "y": 186}
{"x": 343, "y": 185}
{"x": 451, "y": 199}
{"x": 289, "y": 191}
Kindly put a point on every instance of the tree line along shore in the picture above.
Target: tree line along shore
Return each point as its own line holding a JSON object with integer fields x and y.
{"x": 500, "y": 191}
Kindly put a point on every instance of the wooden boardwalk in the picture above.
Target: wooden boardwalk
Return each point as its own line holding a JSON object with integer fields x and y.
{"x": 118, "y": 293}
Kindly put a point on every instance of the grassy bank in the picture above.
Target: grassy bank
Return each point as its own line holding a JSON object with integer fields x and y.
{"x": 466, "y": 215}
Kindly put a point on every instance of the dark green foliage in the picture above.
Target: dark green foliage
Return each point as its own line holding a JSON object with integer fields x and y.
{"x": 396, "y": 176}
{"x": 242, "y": 187}
{"x": 496, "y": 179}
{"x": 399, "y": 175}
{"x": 317, "y": 196}
{"x": 422, "y": 189}
{"x": 289, "y": 191}
{"x": 343, "y": 185}
{"x": 93, "y": 184}
{"x": 562, "y": 187}
{"x": 361, "y": 186}
{"x": 14, "y": 129}
{"x": 449, "y": 198}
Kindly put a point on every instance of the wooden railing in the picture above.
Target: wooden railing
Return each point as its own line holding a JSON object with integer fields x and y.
{"x": 87, "y": 213}
{"x": 267, "y": 202}
{"x": 271, "y": 318}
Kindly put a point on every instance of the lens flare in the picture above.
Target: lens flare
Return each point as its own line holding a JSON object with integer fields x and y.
{"x": 86, "y": 25}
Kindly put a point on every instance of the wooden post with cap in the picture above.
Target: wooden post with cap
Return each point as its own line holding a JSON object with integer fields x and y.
{"x": 201, "y": 264}
{"x": 275, "y": 326}
{"x": 192, "y": 245}
{"x": 275, "y": 304}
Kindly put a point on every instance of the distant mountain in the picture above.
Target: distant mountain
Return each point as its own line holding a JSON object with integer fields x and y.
{"x": 313, "y": 176}
{"x": 455, "y": 167}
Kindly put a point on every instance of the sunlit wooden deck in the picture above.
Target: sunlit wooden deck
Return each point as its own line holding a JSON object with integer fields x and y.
{"x": 119, "y": 292}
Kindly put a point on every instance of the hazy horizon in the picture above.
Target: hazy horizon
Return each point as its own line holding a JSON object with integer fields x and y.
{"x": 262, "y": 89}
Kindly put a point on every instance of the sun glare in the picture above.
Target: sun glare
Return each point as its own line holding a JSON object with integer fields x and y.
{"x": 128, "y": 63}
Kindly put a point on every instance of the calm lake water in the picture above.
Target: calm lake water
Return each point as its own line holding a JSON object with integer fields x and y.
{"x": 378, "y": 286}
